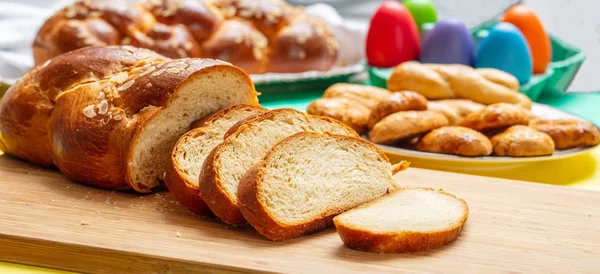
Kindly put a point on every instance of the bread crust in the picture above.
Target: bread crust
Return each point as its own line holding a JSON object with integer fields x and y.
{"x": 214, "y": 196}
{"x": 257, "y": 215}
{"x": 186, "y": 194}
{"x": 365, "y": 240}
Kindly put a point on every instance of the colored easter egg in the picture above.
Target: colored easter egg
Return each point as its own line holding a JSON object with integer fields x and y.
{"x": 506, "y": 49}
{"x": 423, "y": 11}
{"x": 529, "y": 24}
{"x": 449, "y": 42}
{"x": 393, "y": 37}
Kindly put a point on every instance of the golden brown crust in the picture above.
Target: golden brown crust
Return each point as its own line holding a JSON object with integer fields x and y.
{"x": 499, "y": 77}
{"x": 497, "y": 116}
{"x": 260, "y": 219}
{"x": 342, "y": 109}
{"x": 367, "y": 96}
{"x": 406, "y": 124}
{"x": 257, "y": 35}
{"x": 457, "y": 141}
{"x": 398, "y": 101}
{"x": 568, "y": 133}
{"x": 419, "y": 78}
{"x": 364, "y": 240}
{"x": 214, "y": 196}
{"x": 450, "y": 112}
{"x": 82, "y": 111}
{"x": 402, "y": 165}
{"x": 522, "y": 141}
{"x": 258, "y": 216}
{"x": 186, "y": 194}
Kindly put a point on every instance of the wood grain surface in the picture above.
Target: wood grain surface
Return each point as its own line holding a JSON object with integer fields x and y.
{"x": 48, "y": 220}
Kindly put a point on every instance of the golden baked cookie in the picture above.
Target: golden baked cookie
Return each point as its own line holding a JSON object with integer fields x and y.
{"x": 450, "y": 112}
{"x": 398, "y": 101}
{"x": 499, "y": 77}
{"x": 567, "y": 133}
{"x": 497, "y": 116}
{"x": 522, "y": 141}
{"x": 342, "y": 109}
{"x": 405, "y": 124}
{"x": 367, "y": 96}
{"x": 463, "y": 106}
{"x": 455, "y": 140}
{"x": 414, "y": 76}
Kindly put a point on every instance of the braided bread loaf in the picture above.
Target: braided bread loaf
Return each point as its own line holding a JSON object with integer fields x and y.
{"x": 110, "y": 116}
{"x": 446, "y": 81}
{"x": 257, "y": 35}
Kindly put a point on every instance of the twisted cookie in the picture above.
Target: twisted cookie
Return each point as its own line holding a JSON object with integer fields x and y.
{"x": 440, "y": 81}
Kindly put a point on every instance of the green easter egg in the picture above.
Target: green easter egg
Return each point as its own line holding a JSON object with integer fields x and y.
{"x": 423, "y": 11}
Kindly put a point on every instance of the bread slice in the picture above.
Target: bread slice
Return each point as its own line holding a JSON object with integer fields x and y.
{"x": 243, "y": 148}
{"x": 203, "y": 93}
{"x": 408, "y": 220}
{"x": 308, "y": 178}
{"x": 191, "y": 150}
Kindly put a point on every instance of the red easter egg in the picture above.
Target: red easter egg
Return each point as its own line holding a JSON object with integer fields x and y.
{"x": 393, "y": 37}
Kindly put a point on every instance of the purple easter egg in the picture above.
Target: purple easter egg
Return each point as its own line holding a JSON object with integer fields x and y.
{"x": 449, "y": 42}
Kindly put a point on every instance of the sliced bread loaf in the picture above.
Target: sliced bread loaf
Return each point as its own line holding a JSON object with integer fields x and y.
{"x": 308, "y": 178}
{"x": 191, "y": 150}
{"x": 241, "y": 149}
{"x": 408, "y": 220}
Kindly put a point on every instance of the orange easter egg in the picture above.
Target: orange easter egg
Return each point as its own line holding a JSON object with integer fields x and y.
{"x": 529, "y": 24}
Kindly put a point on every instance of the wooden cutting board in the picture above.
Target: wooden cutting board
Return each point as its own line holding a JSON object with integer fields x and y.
{"x": 47, "y": 220}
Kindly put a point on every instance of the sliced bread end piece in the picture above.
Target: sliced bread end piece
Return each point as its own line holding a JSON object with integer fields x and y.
{"x": 308, "y": 178}
{"x": 191, "y": 150}
{"x": 408, "y": 220}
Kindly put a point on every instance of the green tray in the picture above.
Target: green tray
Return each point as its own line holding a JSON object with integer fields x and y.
{"x": 566, "y": 61}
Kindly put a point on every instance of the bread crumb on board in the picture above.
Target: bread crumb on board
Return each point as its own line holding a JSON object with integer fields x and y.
{"x": 84, "y": 223}
{"x": 178, "y": 234}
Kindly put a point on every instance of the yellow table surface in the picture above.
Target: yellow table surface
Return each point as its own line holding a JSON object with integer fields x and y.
{"x": 581, "y": 171}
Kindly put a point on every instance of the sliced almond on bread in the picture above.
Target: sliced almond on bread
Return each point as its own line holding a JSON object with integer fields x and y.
{"x": 192, "y": 148}
{"x": 229, "y": 161}
{"x": 307, "y": 178}
{"x": 408, "y": 220}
